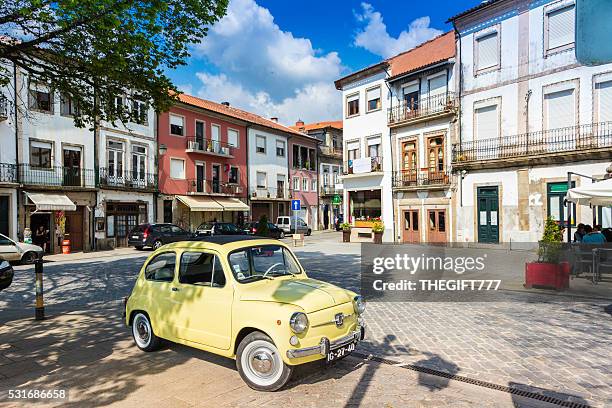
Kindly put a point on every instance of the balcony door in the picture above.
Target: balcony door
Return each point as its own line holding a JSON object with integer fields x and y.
{"x": 139, "y": 156}
{"x": 72, "y": 166}
{"x": 410, "y": 232}
{"x": 437, "y": 226}
{"x": 199, "y": 135}
{"x": 409, "y": 162}
{"x": 215, "y": 138}
{"x": 200, "y": 177}
{"x": 280, "y": 187}
{"x": 216, "y": 178}
{"x": 435, "y": 158}
{"x": 115, "y": 163}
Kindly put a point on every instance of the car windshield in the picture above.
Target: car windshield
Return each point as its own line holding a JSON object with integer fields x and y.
{"x": 229, "y": 227}
{"x": 261, "y": 262}
{"x": 205, "y": 226}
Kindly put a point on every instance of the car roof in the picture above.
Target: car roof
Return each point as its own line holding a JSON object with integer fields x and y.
{"x": 225, "y": 242}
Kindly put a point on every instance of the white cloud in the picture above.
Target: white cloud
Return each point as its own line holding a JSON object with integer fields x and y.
{"x": 375, "y": 38}
{"x": 268, "y": 70}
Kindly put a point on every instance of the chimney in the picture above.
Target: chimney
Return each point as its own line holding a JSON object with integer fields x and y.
{"x": 274, "y": 119}
{"x": 225, "y": 103}
{"x": 299, "y": 123}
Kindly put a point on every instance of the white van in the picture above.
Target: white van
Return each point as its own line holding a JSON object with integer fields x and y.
{"x": 288, "y": 224}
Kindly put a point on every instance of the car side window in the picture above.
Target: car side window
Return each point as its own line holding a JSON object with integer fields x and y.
{"x": 164, "y": 229}
{"x": 176, "y": 230}
{"x": 200, "y": 268}
{"x": 161, "y": 267}
{"x": 5, "y": 241}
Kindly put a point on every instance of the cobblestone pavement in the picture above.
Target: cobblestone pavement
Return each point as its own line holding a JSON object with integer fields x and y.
{"x": 535, "y": 342}
{"x": 91, "y": 356}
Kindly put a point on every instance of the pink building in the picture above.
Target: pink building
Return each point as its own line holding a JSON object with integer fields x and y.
{"x": 303, "y": 173}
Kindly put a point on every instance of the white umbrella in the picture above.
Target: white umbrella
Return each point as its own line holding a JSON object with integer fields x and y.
{"x": 596, "y": 194}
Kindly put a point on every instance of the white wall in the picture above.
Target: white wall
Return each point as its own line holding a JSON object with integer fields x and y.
{"x": 269, "y": 163}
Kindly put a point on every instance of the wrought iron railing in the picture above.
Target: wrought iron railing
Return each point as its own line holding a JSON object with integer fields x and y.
{"x": 331, "y": 151}
{"x": 5, "y": 108}
{"x": 375, "y": 165}
{"x": 547, "y": 142}
{"x": 127, "y": 179}
{"x": 203, "y": 145}
{"x": 269, "y": 192}
{"x": 420, "y": 178}
{"x": 330, "y": 190}
{"x": 422, "y": 107}
{"x": 8, "y": 173}
{"x": 56, "y": 176}
{"x": 195, "y": 186}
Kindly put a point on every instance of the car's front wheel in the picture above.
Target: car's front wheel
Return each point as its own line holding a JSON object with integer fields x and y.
{"x": 157, "y": 244}
{"x": 28, "y": 258}
{"x": 260, "y": 364}
{"x": 142, "y": 331}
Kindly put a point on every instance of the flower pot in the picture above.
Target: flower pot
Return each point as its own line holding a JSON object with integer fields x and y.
{"x": 546, "y": 275}
{"x": 346, "y": 235}
{"x": 378, "y": 237}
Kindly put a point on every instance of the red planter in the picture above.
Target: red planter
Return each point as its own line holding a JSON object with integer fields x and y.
{"x": 547, "y": 275}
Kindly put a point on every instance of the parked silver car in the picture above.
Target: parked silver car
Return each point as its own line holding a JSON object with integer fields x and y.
{"x": 19, "y": 251}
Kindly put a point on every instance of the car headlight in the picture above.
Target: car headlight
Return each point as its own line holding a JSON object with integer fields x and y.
{"x": 359, "y": 304}
{"x": 298, "y": 322}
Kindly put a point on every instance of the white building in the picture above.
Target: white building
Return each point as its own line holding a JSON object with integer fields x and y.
{"x": 530, "y": 113}
{"x": 8, "y": 160}
{"x": 367, "y": 151}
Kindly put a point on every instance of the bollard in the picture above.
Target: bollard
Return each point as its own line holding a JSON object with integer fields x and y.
{"x": 40, "y": 305}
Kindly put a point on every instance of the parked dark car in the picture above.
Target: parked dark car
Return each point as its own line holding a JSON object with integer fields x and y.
{"x": 6, "y": 274}
{"x": 274, "y": 231}
{"x": 218, "y": 228}
{"x": 156, "y": 235}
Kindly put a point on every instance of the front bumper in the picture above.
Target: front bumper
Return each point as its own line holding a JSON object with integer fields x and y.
{"x": 325, "y": 346}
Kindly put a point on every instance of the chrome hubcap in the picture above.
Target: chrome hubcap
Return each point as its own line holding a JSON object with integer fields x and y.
{"x": 262, "y": 362}
{"x": 142, "y": 331}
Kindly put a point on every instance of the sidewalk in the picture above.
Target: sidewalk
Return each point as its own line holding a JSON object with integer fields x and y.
{"x": 77, "y": 256}
{"x": 91, "y": 356}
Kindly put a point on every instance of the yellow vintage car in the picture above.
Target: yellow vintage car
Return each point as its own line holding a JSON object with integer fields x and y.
{"x": 244, "y": 298}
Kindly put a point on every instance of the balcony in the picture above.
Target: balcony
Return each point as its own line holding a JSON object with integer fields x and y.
{"x": 583, "y": 142}
{"x": 330, "y": 191}
{"x": 5, "y": 108}
{"x": 423, "y": 179}
{"x": 363, "y": 166}
{"x": 210, "y": 147}
{"x": 422, "y": 109}
{"x": 57, "y": 176}
{"x": 127, "y": 180}
{"x": 331, "y": 151}
{"x": 269, "y": 193}
{"x": 8, "y": 173}
{"x": 213, "y": 187}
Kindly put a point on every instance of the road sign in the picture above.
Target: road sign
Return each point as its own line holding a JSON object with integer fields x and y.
{"x": 295, "y": 205}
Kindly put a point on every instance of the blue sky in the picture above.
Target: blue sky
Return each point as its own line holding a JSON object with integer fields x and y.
{"x": 280, "y": 58}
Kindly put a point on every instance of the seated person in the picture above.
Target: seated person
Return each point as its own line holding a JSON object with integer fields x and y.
{"x": 593, "y": 236}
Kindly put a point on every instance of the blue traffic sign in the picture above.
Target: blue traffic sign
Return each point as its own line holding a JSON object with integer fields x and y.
{"x": 295, "y": 205}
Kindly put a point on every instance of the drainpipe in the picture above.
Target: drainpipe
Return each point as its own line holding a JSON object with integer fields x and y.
{"x": 458, "y": 62}
{"x": 156, "y": 165}
{"x": 16, "y": 146}
{"x": 392, "y": 160}
{"x": 248, "y": 166}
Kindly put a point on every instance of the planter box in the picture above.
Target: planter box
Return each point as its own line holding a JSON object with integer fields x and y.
{"x": 547, "y": 275}
{"x": 363, "y": 224}
{"x": 378, "y": 237}
{"x": 346, "y": 236}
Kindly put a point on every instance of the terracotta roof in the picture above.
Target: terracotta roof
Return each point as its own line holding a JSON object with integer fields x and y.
{"x": 438, "y": 49}
{"x": 318, "y": 125}
{"x": 235, "y": 113}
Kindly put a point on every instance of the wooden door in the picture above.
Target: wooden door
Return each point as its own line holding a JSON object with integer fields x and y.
{"x": 435, "y": 158}
{"x": 74, "y": 229}
{"x": 410, "y": 231}
{"x": 409, "y": 163}
{"x": 436, "y": 220}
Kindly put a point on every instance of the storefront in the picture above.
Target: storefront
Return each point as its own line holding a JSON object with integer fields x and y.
{"x": 191, "y": 211}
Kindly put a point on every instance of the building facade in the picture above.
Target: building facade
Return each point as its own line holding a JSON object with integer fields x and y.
{"x": 8, "y": 158}
{"x": 202, "y": 164}
{"x": 304, "y": 178}
{"x": 531, "y": 116}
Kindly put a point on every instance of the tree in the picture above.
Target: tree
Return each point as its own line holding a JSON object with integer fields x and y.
{"x": 95, "y": 50}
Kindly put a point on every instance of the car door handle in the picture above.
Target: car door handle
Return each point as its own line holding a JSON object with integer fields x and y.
{"x": 175, "y": 289}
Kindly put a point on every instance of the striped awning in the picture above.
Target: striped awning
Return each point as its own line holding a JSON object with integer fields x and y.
{"x": 231, "y": 204}
{"x": 200, "y": 203}
{"x": 51, "y": 202}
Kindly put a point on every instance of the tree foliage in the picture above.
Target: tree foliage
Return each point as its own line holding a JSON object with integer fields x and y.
{"x": 549, "y": 249}
{"x": 262, "y": 226}
{"x": 115, "y": 47}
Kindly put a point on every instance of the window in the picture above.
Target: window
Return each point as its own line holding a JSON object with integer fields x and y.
{"x": 262, "y": 180}
{"x": 161, "y": 268}
{"x": 280, "y": 148}
{"x": 560, "y": 109}
{"x": 139, "y": 112}
{"x": 139, "y": 159}
{"x": 373, "y": 98}
{"x": 249, "y": 265}
{"x": 559, "y": 28}
{"x": 352, "y": 149}
{"x": 555, "y": 199}
{"x": 177, "y": 125}
{"x": 304, "y": 184}
{"x": 352, "y": 105}
{"x": 374, "y": 149}
{"x": 115, "y": 158}
{"x": 232, "y": 137}
{"x": 201, "y": 269}
{"x": 313, "y": 185}
{"x": 437, "y": 85}
{"x": 487, "y": 51}
{"x": 40, "y": 98}
{"x": 365, "y": 204}
{"x": 233, "y": 175}
{"x": 409, "y": 156}
{"x": 67, "y": 106}
{"x": 119, "y": 105}
{"x": 603, "y": 99}
{"x": 260, "y": 144}
{"x": 40, "y": 154}
{"x": 435, "y": 153}
{"x": 296, "y": 184}
{"x": 177, "y": 168}
{"x": 411, "y": 96}
{"x": 487, "y": 125}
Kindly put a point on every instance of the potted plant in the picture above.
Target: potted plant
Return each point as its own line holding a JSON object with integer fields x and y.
{"x": 346, "y": 232}
{"x": 377, "y": 229}
{"x": 548, "y": 271}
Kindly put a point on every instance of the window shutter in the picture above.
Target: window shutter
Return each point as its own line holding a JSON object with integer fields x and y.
{"x": 487, "y": 122}
{"x": 352, "y": 98}
{"x": 354, "y": 145}
{"x": 561, "y": 27}
{"x": 176, "y": 120}
{"x": 408, "y": 89}
{"x": 437, "y": 85}
{"x": 177, "y": 169}
{"x": 487, "y": 51}
{"x": 232, "y": 137}
{"x": 561, "y": 111}
{"x": 374, "y": 141}
{"x": 373, "y": 94}
{"x": 604, "y": 100}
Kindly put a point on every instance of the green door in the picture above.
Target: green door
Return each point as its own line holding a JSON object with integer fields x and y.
{"x": 488, "y": 215}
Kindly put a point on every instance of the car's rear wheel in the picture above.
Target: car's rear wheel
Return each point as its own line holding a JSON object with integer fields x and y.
{"x": 157, "y": 244}
{"x": 281, "y": 235}
{"x": 28, "y": 258}
{"x": 260, "y": 364}
{"x": 142, "y": 331}
{"x": 308, "y": 232}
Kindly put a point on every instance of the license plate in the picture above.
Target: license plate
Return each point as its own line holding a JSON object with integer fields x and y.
{"x": 135, "y": 236}
{"x": 340, "y": 352}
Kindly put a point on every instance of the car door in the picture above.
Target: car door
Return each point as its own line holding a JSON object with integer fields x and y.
{"x": 8, "y": 249}
{"x": 205, "y": 298}
{"x": 302, "y": 227}
{"x": 178, "y": 234}
{"x": 159, "y": 275}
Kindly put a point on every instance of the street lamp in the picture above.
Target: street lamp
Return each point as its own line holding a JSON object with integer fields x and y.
{"x": 162, "y": 149}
